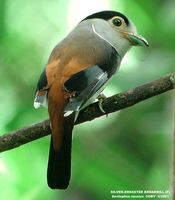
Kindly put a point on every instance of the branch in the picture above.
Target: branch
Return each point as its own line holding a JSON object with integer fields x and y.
{"x": 112, "y": 104}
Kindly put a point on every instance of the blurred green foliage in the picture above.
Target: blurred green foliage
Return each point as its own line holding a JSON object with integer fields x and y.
{"x": 131, "y": 149}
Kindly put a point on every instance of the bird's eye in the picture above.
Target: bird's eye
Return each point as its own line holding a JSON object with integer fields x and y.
{"x": 117, "y": 22}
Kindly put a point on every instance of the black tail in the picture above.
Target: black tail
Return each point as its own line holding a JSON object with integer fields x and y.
{"x": 59, "y": 163}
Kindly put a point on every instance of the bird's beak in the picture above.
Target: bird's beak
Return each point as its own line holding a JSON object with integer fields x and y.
{"x": 136, "y": 40}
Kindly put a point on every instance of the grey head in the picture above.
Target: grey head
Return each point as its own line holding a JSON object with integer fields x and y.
{"x": 116, "y": 29}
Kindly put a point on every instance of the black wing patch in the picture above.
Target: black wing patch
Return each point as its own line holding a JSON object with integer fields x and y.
{"x": 42, "y": 82}
{"x": 85, "y": 84}
{"x": 41, "y": 91}
{"x": 79, "y": 81}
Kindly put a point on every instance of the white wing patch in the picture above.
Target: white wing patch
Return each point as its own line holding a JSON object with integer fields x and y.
{"x": 40, "y": 101}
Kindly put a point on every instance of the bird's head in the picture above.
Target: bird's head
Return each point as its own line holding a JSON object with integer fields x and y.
{"x": 116, "y": 29}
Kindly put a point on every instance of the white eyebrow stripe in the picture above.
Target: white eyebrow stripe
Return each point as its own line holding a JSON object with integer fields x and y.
{"x": 93, "y": 28}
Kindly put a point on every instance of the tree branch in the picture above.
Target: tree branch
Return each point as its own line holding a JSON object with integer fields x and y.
{"x": 112, "y": 104}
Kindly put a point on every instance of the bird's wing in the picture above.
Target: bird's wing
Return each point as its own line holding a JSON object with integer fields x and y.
{"x": 41, "y": 90}
{"x": 85, "y": 86}
{"x": 45, "y": 81}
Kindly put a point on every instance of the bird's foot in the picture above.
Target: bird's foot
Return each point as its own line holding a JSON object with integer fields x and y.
{"x": 101, "y": 98}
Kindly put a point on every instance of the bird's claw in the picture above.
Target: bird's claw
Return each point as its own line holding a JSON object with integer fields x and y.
{"x": 101, "y": 98}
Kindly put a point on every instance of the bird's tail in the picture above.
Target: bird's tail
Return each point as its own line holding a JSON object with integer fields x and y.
{"x": 59, "y": 163}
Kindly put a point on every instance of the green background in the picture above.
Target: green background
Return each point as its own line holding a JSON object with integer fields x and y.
{"x": 128, "y": 150}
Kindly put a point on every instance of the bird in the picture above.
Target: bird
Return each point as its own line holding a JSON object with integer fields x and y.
{"x": 76, "y": 73}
